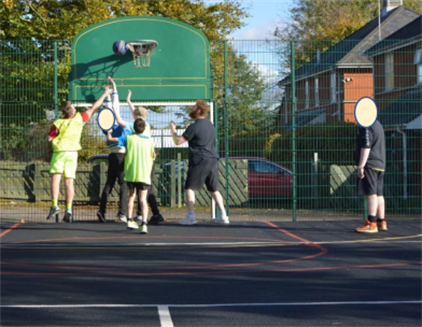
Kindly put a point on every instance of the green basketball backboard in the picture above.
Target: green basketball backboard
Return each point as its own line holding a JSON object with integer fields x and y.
{"x": 179, "y": 69}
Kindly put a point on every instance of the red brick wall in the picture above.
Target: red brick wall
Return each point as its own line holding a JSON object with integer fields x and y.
{"x": 360, "y": 85}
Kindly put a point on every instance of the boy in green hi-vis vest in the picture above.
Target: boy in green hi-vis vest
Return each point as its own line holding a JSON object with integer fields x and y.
{"x": 139, "y": 160}
{"x": 64, "y": 143}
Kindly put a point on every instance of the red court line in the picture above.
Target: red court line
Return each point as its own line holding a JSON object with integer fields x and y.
{"x": 322, "y": 251}
{"x": 225, "y": 272}
{"x": 9, "y": 229}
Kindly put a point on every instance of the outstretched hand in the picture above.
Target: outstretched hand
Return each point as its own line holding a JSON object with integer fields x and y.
{"x": 107, "y": 90}
{"x": 129, "y": 95}
{"x": 172, "y": 126}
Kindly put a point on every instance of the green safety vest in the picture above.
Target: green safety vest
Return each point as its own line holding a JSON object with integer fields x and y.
{"x": 70, "y": 131}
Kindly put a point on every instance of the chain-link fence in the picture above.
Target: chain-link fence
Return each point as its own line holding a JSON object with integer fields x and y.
{"x": 289, "y": 135}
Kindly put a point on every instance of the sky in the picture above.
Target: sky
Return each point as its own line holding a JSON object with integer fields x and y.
{"x": 264, "y": 17}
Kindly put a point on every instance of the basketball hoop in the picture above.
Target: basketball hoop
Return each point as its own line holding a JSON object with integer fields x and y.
{"x": 141, "y": 51}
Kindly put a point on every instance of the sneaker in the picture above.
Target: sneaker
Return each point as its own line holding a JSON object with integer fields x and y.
{"x": 189, "y": 220}
{"x": 138, "y": 220}
{"x": 144, "y": 229}
{"x": 123, "y": 218}
{"x": 221, "y": 220}
{"x": 68, "y": 217}
{"x": 132, "y": 225}
{"x": 382, "y": 225}
{"x": 53, "y": 211}
{"x": 101, "y": 217}
{"x": 368, "y": 228}
{"x": 156, "y": 219}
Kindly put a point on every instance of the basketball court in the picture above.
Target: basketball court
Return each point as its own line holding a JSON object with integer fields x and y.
{"x": 250, "y": 273}
{"x": 245, "y": 274}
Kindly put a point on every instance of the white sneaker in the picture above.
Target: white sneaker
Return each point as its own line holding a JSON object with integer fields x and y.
{"x": 122, "y": 218}
{"x": 221, "y": 220}
{"x": 132, "y": 225}
{"x": 189, "y": 220}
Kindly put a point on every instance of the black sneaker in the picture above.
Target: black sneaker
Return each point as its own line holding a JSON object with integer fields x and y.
{"x": 101, "y": 217}
{"x": 156, "y": 219}
{"x": 67, "y": 217}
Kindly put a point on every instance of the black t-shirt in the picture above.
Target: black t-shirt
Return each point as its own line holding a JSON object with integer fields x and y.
{"x": 201, "y": 138}
{"x": 372, "y": 138}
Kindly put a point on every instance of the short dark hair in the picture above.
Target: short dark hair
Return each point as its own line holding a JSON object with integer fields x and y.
{"x": 67, "y": 109}
{"x": 139, "y": 126}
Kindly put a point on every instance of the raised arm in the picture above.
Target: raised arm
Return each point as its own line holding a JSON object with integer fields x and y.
{"x": 178, "y": 140}
{"x": 116, "y": 104}
{"x": 131, "y": 107}
{"x": 99, "y": 102}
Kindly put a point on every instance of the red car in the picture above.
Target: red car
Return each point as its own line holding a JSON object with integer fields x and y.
{"x": 266, "y": 179}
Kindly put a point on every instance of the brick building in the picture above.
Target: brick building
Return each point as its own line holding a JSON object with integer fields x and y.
{"x": 328, "y": 87}
{"x": 397, "y": 66}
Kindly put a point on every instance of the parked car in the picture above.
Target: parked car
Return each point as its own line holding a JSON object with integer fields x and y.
{"x": 266, "y": 179}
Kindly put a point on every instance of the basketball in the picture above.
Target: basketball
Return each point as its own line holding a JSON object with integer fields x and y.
{"x": 119, "y": 47}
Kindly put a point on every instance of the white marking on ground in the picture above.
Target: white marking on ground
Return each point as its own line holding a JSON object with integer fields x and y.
{"x": 211, "y": 305}
{"x": 165, "y": 317}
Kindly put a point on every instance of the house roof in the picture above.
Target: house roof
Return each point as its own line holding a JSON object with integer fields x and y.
{"x": 403, "y": 110}
{"x": 350, "y": 51}
{"x": 304, "y": 118}
{"x": 402, "y": 36}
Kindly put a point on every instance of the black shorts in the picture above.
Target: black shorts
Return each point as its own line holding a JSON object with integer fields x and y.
{"x": 138, "y": 186}
{"x": 206, "y": 172}
{"x": 372, "y": 184}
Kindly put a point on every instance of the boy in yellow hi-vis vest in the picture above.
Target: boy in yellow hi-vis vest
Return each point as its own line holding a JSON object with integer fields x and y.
{"x": 139, "y": 160}
{"x": 64, "y": 142}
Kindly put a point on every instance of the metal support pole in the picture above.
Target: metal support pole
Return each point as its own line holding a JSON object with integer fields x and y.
{"x": 56, "y": 86}
{"x": 293, "y": 128}
{"x": 226, "y": 126}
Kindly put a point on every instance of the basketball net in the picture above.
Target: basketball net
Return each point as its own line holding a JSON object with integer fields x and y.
{"x": 141, "y": 52}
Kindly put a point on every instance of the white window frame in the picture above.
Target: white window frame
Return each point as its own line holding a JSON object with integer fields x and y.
{"x": 418, "y": 56}
{"x": 306, "y": 94}
{"x": 419, "y": 74}
{"x": 333, "y": 91}
{"x": 389, "y": 71}
{"x": 316, "y": 84}
{"x": 418, "y": 62}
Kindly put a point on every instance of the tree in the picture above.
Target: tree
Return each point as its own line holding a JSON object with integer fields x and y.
{"x": 319, "y": 24}
{"x": 29, "y": 25}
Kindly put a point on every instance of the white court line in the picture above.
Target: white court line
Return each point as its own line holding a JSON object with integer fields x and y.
{"x": 211, "y": 305}
{"x": 164, "y": 314}
{"x": 205, "y": 244}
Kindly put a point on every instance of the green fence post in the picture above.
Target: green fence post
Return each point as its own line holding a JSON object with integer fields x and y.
{"x": 215, "y": 106}
{"x": 179, "y": 180}
{"x": 56, "y": 96}
{"x": 226, "y": 126}
{"x": 293, "y": 128}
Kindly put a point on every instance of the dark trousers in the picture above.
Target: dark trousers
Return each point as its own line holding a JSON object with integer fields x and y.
{"x": 116, "y": 167}
{"x": 151, "y": 199}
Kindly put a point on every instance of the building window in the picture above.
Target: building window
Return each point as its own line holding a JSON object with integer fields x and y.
{"x": 316, "y": 92}
{"x": 418, "y": 56}
{"x": 333, "y": 87}
{"x": 418, "y": 62}
{"x": 389, "y": 71}
{"x": 306, "y": 94}
{"x": 419, "y": 74}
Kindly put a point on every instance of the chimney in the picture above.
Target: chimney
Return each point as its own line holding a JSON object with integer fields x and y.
{"x": 388, "y": 5}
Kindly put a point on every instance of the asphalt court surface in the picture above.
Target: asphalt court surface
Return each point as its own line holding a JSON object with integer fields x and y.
{"x": 245, "y": 274}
